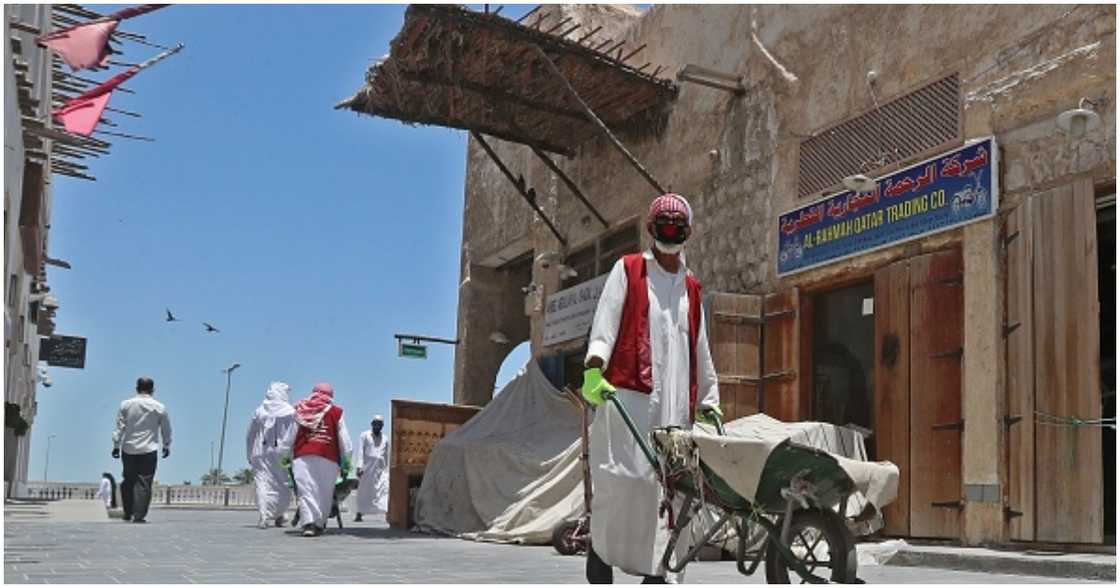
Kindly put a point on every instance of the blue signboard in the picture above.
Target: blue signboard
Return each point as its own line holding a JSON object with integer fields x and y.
{"x": 933, "y": 196}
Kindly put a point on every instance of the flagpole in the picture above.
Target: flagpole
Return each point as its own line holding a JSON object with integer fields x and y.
{"x": 124, "y": 13}
{"x": 120, "y": 78}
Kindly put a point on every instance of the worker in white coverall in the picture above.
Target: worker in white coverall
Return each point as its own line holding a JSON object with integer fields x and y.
{"x": 273, "y": 423}
{"x": 649, "y": 347}
{"x": 372, "y": 458}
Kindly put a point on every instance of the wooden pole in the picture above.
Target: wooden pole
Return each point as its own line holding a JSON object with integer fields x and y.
{"x": 571, "y": 185}
{"x": 599, "y": 123}
{"x": 529, "y": 195}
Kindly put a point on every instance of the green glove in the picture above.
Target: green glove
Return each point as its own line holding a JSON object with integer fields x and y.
{"x": 711, "y": 415}
{"x": 594, "y": 386}
{"x": 345, "y": 467}
{"x": 286, "y": 462}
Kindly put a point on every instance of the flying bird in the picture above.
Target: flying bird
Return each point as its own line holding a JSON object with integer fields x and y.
{"x": 210, "y": 328}
{"x": 170, "y": 317}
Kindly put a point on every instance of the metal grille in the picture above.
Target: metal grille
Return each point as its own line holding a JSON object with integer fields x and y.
{"x": 905, "y": 128}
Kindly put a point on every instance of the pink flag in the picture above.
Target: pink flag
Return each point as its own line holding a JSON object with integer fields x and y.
{"x": 80, "y": 114}
{"x": 86, "y": 45}
{"x": 83, "y": 46}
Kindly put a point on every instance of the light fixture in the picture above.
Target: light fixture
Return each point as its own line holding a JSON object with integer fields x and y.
{"x": 49, "y": 302}
{"x": 566, "y": 272}
{"x": 499, "y": 337}
{"x": 859, "y": 183}
{"x": 548, "y": 258}
{"x": 1078, "y": 121}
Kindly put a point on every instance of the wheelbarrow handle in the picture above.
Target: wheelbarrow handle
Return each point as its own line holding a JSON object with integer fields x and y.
{"x": 613, "y": 398}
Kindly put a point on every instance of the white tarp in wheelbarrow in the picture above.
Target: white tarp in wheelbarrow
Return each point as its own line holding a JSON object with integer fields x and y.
{"x": 740, "y": 456}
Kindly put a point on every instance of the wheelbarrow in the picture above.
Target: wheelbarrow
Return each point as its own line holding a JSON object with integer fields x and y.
{"x": 793, "y": 522}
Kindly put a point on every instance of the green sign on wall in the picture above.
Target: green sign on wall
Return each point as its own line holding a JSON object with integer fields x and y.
{"x": 416, "y": 351}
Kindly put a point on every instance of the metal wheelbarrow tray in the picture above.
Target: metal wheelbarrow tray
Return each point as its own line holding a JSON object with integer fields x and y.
{"x": 782, "y": 499}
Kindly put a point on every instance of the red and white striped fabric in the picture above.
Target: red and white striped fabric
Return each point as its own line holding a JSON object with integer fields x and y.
{"x": 669, "y": 203}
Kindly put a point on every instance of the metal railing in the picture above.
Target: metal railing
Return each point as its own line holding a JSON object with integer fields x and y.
{"x": 223, "y": 496}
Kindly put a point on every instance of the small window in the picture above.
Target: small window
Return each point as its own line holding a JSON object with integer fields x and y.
{"x": 600, "y": 256}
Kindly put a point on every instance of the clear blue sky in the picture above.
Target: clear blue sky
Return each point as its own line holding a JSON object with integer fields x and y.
{"x": 307, "y": 235}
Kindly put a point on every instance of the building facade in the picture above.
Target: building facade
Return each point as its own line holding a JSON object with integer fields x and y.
{"x": 28, "y": 306}
{"x": 978, "y": 353}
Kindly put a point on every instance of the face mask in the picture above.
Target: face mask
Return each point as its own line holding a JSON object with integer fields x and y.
{"x": 670, "y": 230}
{"x": 669, "y": 248}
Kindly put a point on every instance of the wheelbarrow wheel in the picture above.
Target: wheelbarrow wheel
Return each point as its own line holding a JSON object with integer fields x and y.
{"x": 564, "y": 538}
{"x": 821, "y": 542}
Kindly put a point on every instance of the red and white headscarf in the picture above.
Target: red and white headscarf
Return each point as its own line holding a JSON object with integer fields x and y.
{"x": 310, "y": 410}
{"x": 669, "y": 203}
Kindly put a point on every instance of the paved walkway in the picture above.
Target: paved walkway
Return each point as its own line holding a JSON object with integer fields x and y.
{"x": 179, "y": 546}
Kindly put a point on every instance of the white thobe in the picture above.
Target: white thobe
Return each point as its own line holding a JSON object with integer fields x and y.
{"x": 625, "y": 527}
{"x": 315, "y": 479}
{"x": 373, "y": 487}
{"x": 105, "y": 492}
{"x": 264, "y": 448}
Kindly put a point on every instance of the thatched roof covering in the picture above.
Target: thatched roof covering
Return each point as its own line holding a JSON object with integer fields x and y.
{"x": 454, "y": 67}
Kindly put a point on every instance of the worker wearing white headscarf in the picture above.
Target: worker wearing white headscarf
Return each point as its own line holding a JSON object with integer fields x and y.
{"x": 648, "y": 344}
{"x": 273, "y": 423}
{"x": 372, "y": 459}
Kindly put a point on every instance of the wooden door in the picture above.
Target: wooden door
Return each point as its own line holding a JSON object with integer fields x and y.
{"x": 1019, "y": 338}
{"x": 936, "y": 349}
{"x": 781, "y": 392}
{"x": 734, "y": 336}
{"x": 1069, "y": 468}
{"x": 892, "y": 386}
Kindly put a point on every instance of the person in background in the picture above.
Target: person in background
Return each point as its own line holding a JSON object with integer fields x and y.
{"x": 647, "y": 339}
{"x": 372, "y": 457}
{"x": 321, "y": 445}
{"x": 273, "y": 422}
{"x": 141, "y": 424}
{"x": 107, "y": 491}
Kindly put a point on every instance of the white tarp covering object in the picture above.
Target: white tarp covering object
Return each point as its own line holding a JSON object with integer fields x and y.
{"x": 740, "y": 456}
{"x": 512, "y": 473}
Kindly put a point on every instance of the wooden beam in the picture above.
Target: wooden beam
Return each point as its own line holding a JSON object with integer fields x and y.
{"x": 571, "y": 185}
{"x": 599, "y": 123}
{"x": 528, "y": 194}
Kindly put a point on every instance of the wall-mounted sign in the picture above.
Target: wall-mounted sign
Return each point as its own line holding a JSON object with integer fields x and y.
{"x": 569, "y": 312}
{"x": 63, "y": 351}
{"x": 413, "y": 350}
{"x": 929, "y": 197}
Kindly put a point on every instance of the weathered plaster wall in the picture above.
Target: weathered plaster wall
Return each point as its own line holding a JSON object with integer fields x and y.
{"x": 736, "y": 157}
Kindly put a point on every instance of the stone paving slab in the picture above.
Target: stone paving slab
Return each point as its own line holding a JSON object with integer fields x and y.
{"x": 209, "y": 547}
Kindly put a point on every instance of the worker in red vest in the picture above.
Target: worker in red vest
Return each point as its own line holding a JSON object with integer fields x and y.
{"x": 320, "y": 452}
{"x": 648, "y": 346}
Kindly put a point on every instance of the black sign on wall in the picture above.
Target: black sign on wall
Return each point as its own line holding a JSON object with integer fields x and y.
{"x": 63, "y": 351}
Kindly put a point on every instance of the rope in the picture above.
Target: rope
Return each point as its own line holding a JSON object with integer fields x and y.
{"x": 1053, "y": 420}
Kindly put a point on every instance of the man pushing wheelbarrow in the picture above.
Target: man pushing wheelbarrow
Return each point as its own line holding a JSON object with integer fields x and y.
{"x": 647, "y": 347}
{"x": 650, "y": 373}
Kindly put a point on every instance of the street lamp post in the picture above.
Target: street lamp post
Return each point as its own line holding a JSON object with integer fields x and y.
{"x": 225, "y": 415}
{"x": 47, "y": 464}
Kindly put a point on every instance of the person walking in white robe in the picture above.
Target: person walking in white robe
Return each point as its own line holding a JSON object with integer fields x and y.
{"x": 372, "y": 459}
{"x": 107, "y": 490}
{"x": 648, "y": 345}
{"x": 272, "y": 424}
{"x": 321, "y": 445}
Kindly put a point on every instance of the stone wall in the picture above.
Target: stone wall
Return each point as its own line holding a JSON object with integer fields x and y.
{"x": 736, "y": 157}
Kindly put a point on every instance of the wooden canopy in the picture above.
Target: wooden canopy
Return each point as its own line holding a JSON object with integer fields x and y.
{"x": 454, "y": 67}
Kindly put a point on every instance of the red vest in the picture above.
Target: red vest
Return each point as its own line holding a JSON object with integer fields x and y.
{"x": 630, "y": 366}
{"x": 323, "y": 441}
